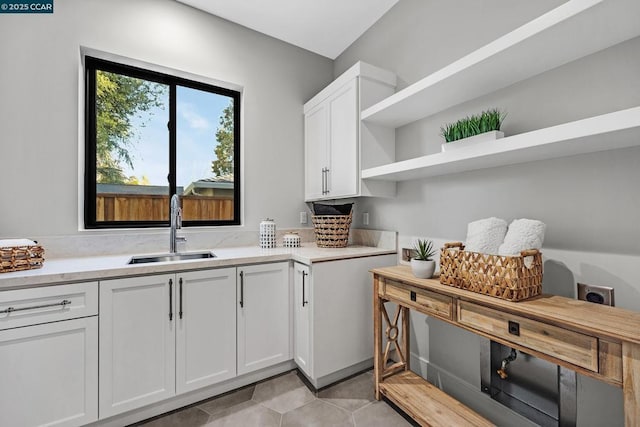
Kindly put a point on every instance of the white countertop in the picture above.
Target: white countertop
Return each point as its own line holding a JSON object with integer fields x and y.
{"x": 65, "y": 270}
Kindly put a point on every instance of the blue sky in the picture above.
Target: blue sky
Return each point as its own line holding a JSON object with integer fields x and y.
{"x": 198, "y": 116}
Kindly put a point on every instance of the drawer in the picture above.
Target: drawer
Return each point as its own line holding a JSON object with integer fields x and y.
{"x": 424, "y": 301}
{"x": 25, "y": 307}
{"x": 572, "y": 347}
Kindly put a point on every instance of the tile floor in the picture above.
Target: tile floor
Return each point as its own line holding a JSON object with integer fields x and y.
{"x": 285, "y": 401}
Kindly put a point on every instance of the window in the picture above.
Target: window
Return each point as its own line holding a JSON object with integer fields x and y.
{"x": 151, "y": 135}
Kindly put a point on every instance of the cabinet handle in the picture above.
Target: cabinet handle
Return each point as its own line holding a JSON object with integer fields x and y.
{"x": 170, "y": 299}
{"x": 62, "y": 303}
{"x": 242, "y": 289}
{"x": 326, "y": 178}
{"x": 304, "y": 299}
{"x": 323, "y": 188}
{"x": 180, "y": 312}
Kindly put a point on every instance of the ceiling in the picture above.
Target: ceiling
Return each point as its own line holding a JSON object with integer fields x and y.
{"x": 326, "y": 27}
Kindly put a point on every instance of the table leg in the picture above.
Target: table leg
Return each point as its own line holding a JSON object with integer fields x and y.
{"x": 405, "y": 337}
{"x": 631, "y": 383}
{"x": 377, "y": 338}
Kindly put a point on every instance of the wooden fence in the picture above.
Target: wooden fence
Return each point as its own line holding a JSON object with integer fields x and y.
{"x": 142, "y": 207}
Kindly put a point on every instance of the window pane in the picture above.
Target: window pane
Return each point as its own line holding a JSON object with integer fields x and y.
{"x": 205, "y": 154}
{"x": 150, "y": 134}
{"x": 132, "y": 149}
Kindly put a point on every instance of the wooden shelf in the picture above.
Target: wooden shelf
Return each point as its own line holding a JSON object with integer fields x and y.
{"x": 426, "y": 403}
{"x": 571, "y": 31}
{"x": 619, "y": 129}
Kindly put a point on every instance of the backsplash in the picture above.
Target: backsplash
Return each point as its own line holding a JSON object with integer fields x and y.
{"x": 126, "y": 242}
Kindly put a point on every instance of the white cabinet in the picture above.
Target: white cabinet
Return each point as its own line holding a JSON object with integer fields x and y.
{"x": 164, "y": 335}
{"x": 206, "y": 335}
{"x": 334, "y": 135}
{"x": 331, "y": 142}
{"x": 333, "y": 336}
{"x": 302, "y": 318}
{"x": 137, "y": 342}
{"x": 316, "y": 152}
{"x": 49, "y": 371}
{"x": 263, "y": 316}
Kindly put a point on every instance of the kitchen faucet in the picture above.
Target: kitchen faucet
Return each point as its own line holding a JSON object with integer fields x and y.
{"x": 176, "y": 224}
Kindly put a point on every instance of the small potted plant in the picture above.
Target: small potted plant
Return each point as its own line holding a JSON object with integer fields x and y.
{"x": 422, "y": 263}
{"x": 474, "y": 129}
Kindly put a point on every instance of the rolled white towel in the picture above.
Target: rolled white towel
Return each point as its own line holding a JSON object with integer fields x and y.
{"x": 12, "y": 243}
{"x": 522, "y": 234}
{"x": 485, "y": 235}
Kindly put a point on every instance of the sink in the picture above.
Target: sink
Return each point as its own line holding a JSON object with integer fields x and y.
{"x": 144, "y": 259}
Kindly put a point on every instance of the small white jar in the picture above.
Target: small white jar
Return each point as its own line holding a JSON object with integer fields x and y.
{"x": 291, "y": 240}
{"x": 268, "y": 234}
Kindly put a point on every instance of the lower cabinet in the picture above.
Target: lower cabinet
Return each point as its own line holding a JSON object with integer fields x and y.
{"x": 264, "y": 326}
{"x": 206, "y": 335}
{"x": 333, "y": 317}
{"x": 302, "y": 318}
{"x": 164, "y": 334}
{"x": 49, "y": 371}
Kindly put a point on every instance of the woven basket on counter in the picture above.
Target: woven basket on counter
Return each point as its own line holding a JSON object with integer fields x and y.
{"x": 332, "y": 231}
{"x": 512, "y": 278}
{"x": 21, "y": 258}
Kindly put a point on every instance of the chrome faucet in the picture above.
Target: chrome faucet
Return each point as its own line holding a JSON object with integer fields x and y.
{"x": 176, "y": 224}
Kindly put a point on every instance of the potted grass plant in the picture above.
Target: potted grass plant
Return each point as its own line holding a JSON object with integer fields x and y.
{"x": 422, "y": 263}
{"x": 473, "y": 129}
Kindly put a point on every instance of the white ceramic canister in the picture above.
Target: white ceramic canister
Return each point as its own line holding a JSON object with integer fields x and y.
{"x": 291, "y": 240}
{"x": 268, "y": 234}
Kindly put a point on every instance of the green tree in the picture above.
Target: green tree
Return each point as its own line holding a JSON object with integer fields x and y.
{"x": 223, "y": 165}
{"x": 119, "y": 99}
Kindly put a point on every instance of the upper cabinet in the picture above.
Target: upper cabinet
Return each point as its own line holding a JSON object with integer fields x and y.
{"x": 336, "y": 141}
{"x": 571, "y": 31}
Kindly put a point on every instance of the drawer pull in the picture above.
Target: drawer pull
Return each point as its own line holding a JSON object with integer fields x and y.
{"x": 242, "y": 289}
{"x": 413, "y": 296}
{"x": 304, "y": 299}
{"x": 62, "y": 303}
{"x": 514, "y": 328}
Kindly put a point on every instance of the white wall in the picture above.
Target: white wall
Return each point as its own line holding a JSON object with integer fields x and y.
{"x": 590, "y": 202}
{"x": 40, "y": 96}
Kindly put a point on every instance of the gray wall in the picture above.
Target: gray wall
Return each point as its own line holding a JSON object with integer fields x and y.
{"x": 41, "y": 102}
{"x": 589, "y": 202}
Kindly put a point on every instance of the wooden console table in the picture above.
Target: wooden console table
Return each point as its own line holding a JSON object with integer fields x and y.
{"x": 598, "y": 341}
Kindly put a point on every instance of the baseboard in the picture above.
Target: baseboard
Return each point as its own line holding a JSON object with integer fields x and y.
{"x": 329, "y": 379}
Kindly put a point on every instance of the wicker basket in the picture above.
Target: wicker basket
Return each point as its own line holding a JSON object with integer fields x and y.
{"x": 332, "y": 231}
{"x": 512, "y": 278}
{"x": 21, "y": 258}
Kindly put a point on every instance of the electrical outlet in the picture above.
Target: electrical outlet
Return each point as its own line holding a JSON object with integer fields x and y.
{"x": 365, "y": 218}
{"x": 407, "y": 254}
{"x": 303, "y": 217}
{"x": 598, "y": 294}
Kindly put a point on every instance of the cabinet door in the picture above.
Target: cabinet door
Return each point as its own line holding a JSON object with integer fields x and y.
{"x": 302, "y": 309}
{"x": 342, "y": 312}
{"x": 50, "y": 374}
{"x": 343, "y": 177}
{"x": 137, "y": 342}
{"x": 263, "y": 316}
{"x": 316, "y": 145}
{"x": 206, "y": 328}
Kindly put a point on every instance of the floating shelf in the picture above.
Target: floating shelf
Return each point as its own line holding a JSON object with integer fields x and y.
{"x": 571, "y": 31}
{"x": 609, "y": 131}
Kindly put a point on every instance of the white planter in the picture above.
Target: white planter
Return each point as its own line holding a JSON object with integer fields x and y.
{"x": 423, "y": 269}
{"x": 472, "y": 140}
